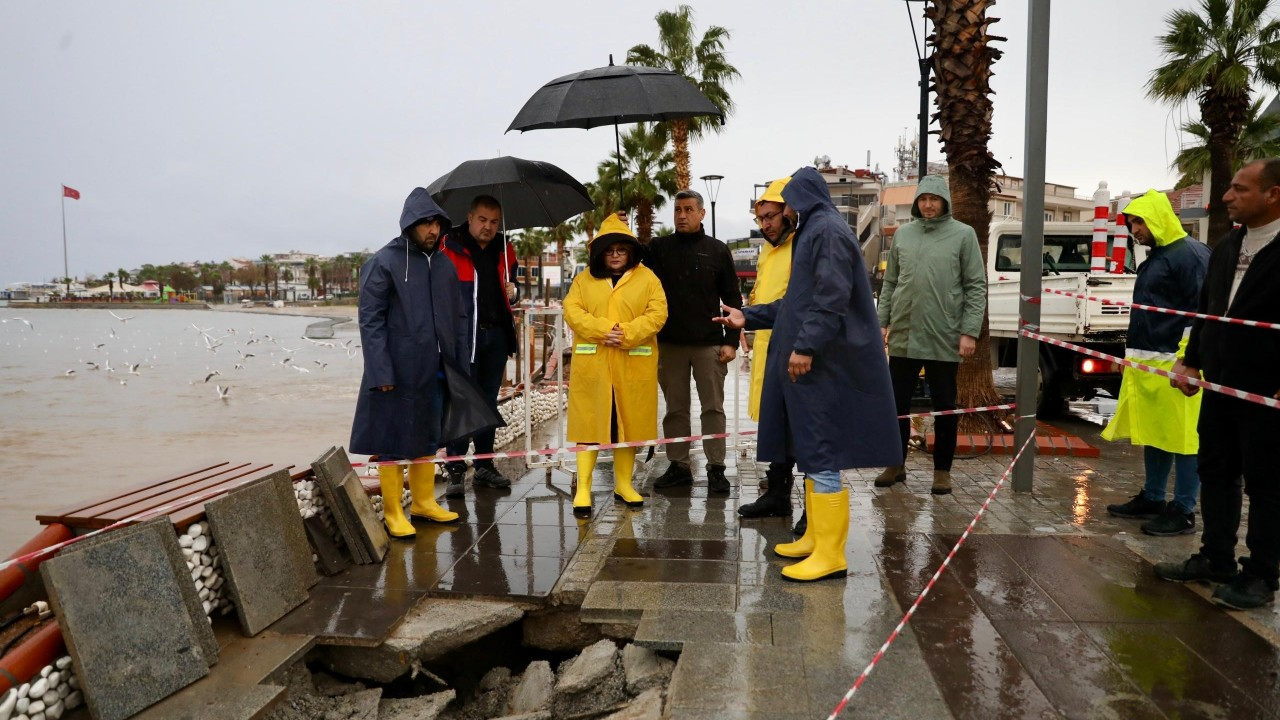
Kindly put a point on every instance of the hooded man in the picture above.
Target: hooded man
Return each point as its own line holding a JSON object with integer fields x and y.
{"x": 412, "y": 322}
{"x": 773, "y": 271}
{"x": 1149, "y": 412}
{"x": 931, "y": 307}
{"x": 825, "y": 400}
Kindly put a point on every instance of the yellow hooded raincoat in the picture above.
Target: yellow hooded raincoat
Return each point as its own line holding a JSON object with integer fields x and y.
{"x": 605, "y": 377}
{"x": 773, "y": 271}
{"x": 1149, "y": 411}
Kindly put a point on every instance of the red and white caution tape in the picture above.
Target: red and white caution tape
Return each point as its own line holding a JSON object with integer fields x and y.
{"x": 1240, "y": 394}
{"x": 638, "y": 443}
{"x": 1168, "y": 311}
{"x": 929, "y": 586}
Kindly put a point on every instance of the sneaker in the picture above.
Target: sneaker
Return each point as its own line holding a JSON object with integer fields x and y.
{"x": 716, "y": 480}
{"x": 457, "y": 484}
{"x": 676, "y": 474}
{"x": 1245, "y": 592}
{"x": 1196, "y": 568}
{"x": 1171, "y": 522}
{"x": 1138, "y": 508}
{"x": 490, "y": 477}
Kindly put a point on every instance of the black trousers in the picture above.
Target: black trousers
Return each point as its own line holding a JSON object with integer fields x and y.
{"x": 487, "y": 370}
{"x": 1238, "y": 456}
{"x": 941, "y": 377}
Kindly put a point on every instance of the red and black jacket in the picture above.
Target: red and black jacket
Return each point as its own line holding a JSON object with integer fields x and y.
{"x": 462, "y": 250}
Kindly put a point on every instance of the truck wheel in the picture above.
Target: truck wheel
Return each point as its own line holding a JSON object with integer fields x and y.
{"x": 1050, "y": 402}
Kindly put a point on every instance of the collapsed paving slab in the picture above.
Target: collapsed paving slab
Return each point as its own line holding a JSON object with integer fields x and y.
{"x": 645, "y": 669}
{"x": 646, "y": 706}
{"x": 592, "y": 682}
{"x": 431, "y": 629}
{"x": 533, "y": 692}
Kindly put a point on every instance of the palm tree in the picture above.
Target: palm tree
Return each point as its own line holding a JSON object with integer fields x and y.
{"x": 111, "y": 285}
{"x": 529, "y": 245}
{"x": 1259, "y": 138}
{"x": 313, "y": 283}
{"x": 1215, "y": 55}
{"x": 268, "y": 269}
{"x": 962, "y": 60}
{"x": 703, "y": 62}
{"x": 648, "y": 176}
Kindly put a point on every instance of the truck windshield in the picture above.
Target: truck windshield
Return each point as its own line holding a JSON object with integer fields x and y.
{"x": 1062, "y": 253}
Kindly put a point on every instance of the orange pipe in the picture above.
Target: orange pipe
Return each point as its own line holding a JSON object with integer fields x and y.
{"x": 12, "y": 577}
{"x": 23, "y": 662}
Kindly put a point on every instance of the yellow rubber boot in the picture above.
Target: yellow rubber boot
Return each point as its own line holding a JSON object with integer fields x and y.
{"x": 804, "y": 546}
{"x": 624, "y": 467}
{"x": 391, "y": 477}
{"x": 829, "y": 513}
{"x": 422, "y": 486}
{"x": 586, "y": 466}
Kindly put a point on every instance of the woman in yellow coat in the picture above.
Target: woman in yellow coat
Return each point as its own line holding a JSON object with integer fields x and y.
{"x": 615, "y": 311}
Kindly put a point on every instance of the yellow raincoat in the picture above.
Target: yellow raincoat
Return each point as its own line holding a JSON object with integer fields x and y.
{"x": 604, "y": 377}
{"x": 773, "y": 271}
{"x": 1149, "y": 411}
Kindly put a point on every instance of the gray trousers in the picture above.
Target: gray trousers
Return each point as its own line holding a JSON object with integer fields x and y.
{"x": 675, "y": 364}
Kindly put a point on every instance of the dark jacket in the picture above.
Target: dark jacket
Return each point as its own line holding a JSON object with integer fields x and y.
{"x": 841, "y": 414}
{"x": 412, "y": 320}
{"x": 463, "y": 251}
{"x": 697, "y": 275}
{"x": 1170, "y": 277}
{"x": 1239, "y": 356}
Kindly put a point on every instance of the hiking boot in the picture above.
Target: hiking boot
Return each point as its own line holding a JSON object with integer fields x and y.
{"x": 1138, "y": 508}
{"x": 1245, "y": 592}
{"x": 891, "y": 476}
{"x": 490, "y": 477}
{"x": 457, "y": 484}
{"x": 676, "y": 474}
{"x": 776, "y": 500}
{"x": 941, "y": 482}
{"x": 1171, "y": 522}
{"x": 1196, "y": 568}
{"x": 716, "y": 481}
{"x": 802, "y": 525}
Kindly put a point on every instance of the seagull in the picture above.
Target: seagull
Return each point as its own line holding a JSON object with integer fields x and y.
{"x": 350, "y": 353}
{"x": 254, "y": 340}
{"x": 200, "y": 330}
{"x": 92, "y": 365}
{"x": 24, "y": 321}
{"x": 122, "y": 319}
{"x": 133, "y": 369}
{"x": 123, "y": 381}
{"x": 223, "y": 392}
{"x": 243, "y": 356}
{"x": 211, "y": 375}
{"x": 322, "y": 365}
{"x": 107, "y": 365}
{"x": 95, "y": 347}
{"x": 239, "y": 366}
{"x": 112, "y": 332}
{"x": 289, "y": 350}
{"x": 69, "y": 373}
{"x": 286, "y": 361}
{"x": 300, "y": 369}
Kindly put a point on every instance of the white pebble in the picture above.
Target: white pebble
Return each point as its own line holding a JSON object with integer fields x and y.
{"x": 184, "y": 541}
{"x": 205, "y": 559}
{"x": 22, "y": 705}
{"x": 7, "y": 704}
{"x": 227, "y": 608}
{"x": 35, "y": 708}
{"x": 187, "y": 553}
{"x": 38, "y": 688}
{"x": 206, "y": 571}
{"x": 74, "y": 682}
{"x": 217, "y": 582}
{"x": 204, "y": 593}
{"x": 73, "y": 700}
{"x": 199, "y": 544}
{"x": 38, "y": 716}
{"x": 195, "y": 531}
{"x": 195, "y": 573}
{"x": 207, "y": 607}
{"x": 24, "y": 690}
{"x": 55, "y": 679}
{"x": 44, "y": 671}
{"x": 55, "y": 711}
{"x": 50, "y": 697}
{"x": 64, "y": 690}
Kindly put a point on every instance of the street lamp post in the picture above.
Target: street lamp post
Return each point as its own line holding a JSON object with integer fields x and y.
{"x": 713, "y": 190}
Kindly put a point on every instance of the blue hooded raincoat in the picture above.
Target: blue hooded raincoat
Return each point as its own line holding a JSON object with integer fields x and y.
{"x": 841, "y": 414}
{"x": 411, "y": 319}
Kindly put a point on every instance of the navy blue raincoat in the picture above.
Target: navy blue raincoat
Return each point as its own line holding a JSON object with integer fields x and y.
{"x": 412, "y": 320}
{"x": 841, "y": 414}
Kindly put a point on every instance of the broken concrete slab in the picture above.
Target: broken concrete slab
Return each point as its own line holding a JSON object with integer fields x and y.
{"x": 646, "y": 706}
{"x": 645, "y": 669}
{"x": 362, "y": 705}
{"x": 426, "y": 707}
{"x": 559, "y": 629}
{"x": 533, "y": 692}
{"x": 263, "y": 543}
{"x": 588, "y": 668}
{"x": 125, "y": 622}
{"x": 345, "y": 495}
{"x": 430, "y": 630}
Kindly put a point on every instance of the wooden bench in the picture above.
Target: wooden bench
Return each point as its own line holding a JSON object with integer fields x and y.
{"x": 180, "y": 491}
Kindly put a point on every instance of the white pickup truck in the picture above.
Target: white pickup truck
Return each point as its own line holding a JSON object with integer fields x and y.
{"x": 1065, "y": 266}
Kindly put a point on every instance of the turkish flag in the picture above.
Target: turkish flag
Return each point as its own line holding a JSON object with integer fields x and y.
{"x": 70, "y": 192}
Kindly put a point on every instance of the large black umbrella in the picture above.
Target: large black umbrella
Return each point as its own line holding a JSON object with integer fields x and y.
{"x": 611, "y": 95}
{"x": 532, "y": 193}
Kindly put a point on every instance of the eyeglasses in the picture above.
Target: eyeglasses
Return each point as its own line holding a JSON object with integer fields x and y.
{"x": 767, "y": 218}
{"x": 616, "y": 250}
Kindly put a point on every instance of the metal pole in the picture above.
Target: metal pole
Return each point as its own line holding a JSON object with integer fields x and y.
{"x": 924, "y": 118}
{"x": 1032, "y": 232}
{"x": 66, "y": 272}
{"x": 713, "y": 219}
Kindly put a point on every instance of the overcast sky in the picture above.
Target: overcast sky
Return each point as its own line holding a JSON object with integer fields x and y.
{"x": 201, "y": 131}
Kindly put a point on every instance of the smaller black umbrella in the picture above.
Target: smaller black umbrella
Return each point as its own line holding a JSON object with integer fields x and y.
{"x": 532, "y": 193}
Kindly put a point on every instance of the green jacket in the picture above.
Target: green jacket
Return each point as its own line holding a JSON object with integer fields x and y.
{"x": 935, "y": 285}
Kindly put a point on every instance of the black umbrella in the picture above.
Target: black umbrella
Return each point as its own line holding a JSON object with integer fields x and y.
{"x": 611, "y": 95}
{"x": 532, "y": 193}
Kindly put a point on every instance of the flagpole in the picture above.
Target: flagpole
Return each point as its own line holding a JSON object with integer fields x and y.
{"x": 66, "y": 273}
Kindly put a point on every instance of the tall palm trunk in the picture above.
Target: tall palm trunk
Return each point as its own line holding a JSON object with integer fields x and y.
{"x": 644, "y": 221}
{"x": 1225, "y": 115}
{"x": 680, "y": 143}
{"x": 962, "y": 60}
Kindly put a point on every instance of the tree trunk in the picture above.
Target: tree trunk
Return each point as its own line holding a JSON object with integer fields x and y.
{"x": 1225, "y": 116}
{"x": 680, "y": 143}
{"x": 644, "y": 222}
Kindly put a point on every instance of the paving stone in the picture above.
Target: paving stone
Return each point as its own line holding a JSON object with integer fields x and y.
{"x": 646, "y": 706}
{"x": 125, "y": 622}
{"x": 609, "y": 601}
{"x": 644, "y": 668}
{"x": 348, "y": 501}
{"x": 430, "y": 630}
{"x": 588, "y": 668}
{"x": 668, "y": 629}
{"x": 731, "y": 679}
{"x": 331, "y": 557}
{"x": 533, "y": 692}
{"x": 258, "y": 529}
{"x": 426, "y": 707}
{"x": 210, "y": 701}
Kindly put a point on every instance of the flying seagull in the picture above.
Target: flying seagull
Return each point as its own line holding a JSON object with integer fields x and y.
{"x": 211, "y": 375}
{"x": 24, "y": 321}
{"x": 223, "y": 392}
{"x": 122, "y": 319}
